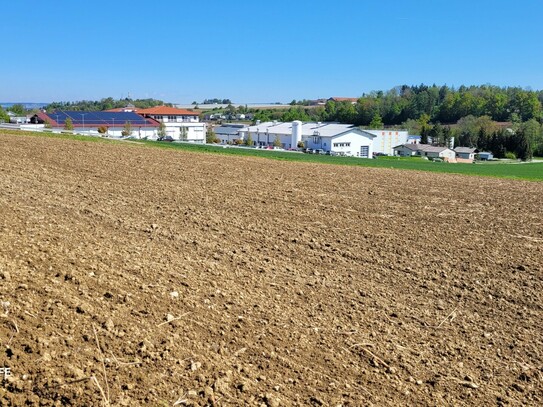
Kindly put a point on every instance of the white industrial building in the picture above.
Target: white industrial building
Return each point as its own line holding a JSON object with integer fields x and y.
{"x": 335, "y": 138}
{"x": 385, "y": 140}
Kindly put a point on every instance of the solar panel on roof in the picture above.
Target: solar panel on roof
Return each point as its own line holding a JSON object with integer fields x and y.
{"x": 95, "y": 119}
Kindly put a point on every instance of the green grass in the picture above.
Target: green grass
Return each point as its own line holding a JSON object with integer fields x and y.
{"x": 514, "y": 170}
{"x": 500, "y": 169}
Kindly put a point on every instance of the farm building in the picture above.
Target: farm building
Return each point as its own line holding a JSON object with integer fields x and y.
{"x": 180, "y": 124}
{"x": 485, "y": 155}
{"x": 408, "y": 149}
{"x": 89, "y": 122}
{"x": 466, "y": 153}
{"x": 425, "y": 150}
{"x": 444, "y": 153}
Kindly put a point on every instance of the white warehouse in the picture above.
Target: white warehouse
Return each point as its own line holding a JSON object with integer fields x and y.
{"x": 341, "y": 139}
{"x": 385, "y": 140}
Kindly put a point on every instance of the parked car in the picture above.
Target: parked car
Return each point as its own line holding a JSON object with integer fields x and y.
{"x": 165, "y": 138}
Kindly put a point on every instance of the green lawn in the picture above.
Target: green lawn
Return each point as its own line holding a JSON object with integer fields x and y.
{"x": 532, "y": 171}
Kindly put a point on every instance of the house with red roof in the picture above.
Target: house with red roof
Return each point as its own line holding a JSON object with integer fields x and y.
{"x": 180, "y": 124}
{"x": 342, "y": 99}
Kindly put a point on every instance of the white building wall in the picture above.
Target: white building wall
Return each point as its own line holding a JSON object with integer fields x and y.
{"x": 386, "y": 140}
{"x": 350, "y": 144}
{"x": 194, "y": 132}
{"x": 353, "y": 144}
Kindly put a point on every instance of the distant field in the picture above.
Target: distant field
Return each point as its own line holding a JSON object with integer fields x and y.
{"x": 527, "y": 171}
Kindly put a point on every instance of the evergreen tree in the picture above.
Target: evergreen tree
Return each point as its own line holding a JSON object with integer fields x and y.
{"x": 524, "y": 145}
{"x": 376, "y": 122}
{"x": 424, "y": 132}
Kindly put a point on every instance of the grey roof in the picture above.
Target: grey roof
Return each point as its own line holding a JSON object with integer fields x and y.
{"x": 324, "y": 129}
{"x": 433, "y": 149}
{"x": 422, "y": 147}
{"x": 413, "y": 146}
{"x": 230, "y": 130}
{"x": 465, "y": 150}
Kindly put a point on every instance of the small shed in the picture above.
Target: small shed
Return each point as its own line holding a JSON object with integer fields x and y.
{"x": 466, "y": 153}
{"x": 485, "y": 155}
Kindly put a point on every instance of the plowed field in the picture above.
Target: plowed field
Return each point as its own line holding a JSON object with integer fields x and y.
{"x": 137, "y": 276}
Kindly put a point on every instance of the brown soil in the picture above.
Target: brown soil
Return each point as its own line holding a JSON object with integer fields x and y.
{"x": 141, "y": 276}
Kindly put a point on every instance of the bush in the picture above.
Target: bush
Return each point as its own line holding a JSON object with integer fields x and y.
{"x": 510, "y": 155}
{"x": 102, "y": 129}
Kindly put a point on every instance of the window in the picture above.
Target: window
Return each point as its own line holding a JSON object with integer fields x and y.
{"x": 342, "y": 144}
{"x": 364, "y": 151}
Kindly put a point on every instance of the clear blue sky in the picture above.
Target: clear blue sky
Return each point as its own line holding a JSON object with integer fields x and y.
{"x": 263, "y": 51}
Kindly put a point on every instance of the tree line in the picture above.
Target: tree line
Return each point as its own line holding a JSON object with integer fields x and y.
{"x": 104, "y": 104}
{"x": 506, "y": 121}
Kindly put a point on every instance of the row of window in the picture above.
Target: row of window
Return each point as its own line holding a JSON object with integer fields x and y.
{"x": 342, "y": 144}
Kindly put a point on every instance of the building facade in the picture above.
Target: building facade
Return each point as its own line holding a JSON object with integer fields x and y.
{"x": 180, "y": 124}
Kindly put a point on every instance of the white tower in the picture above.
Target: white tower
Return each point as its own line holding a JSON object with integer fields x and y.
{"x": 296, "y": 133}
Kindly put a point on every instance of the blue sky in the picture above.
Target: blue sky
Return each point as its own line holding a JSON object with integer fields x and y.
{"x": 256, "y": 52}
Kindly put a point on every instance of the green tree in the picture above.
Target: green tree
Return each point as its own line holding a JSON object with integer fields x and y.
{"x": 210, "y": 135}
{"x": 161, "y": 130}
{"x": 18, "y": 109}
{"x": 277, "y": 141}
{"x": 183, "y": 133}
{"x": 249, "y": 139}
{"x": 376, "y": 122}
{"x": 527, "y": 138}
{"x": 424, "y": 134}
{"x": 524, "y": 145}
{"x": 68, "y": 124}
{"x": 127, "y": 129}
{"x": 435, "y": 135}
{"x": 4, "y": 116}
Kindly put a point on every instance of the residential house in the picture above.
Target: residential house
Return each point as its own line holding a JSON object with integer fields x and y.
{"x": 180, "y": 124}
{"x": 342, "y": 99}
{"x": 425, "y": 150}
{"x": 13, "y": 118}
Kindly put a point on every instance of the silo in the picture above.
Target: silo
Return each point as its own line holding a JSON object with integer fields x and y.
{"x": 296, "y": 133}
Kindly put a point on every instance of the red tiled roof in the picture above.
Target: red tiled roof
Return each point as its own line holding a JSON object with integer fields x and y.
{"x": 166, "y": 110}
{"x": 339, "y": 99}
